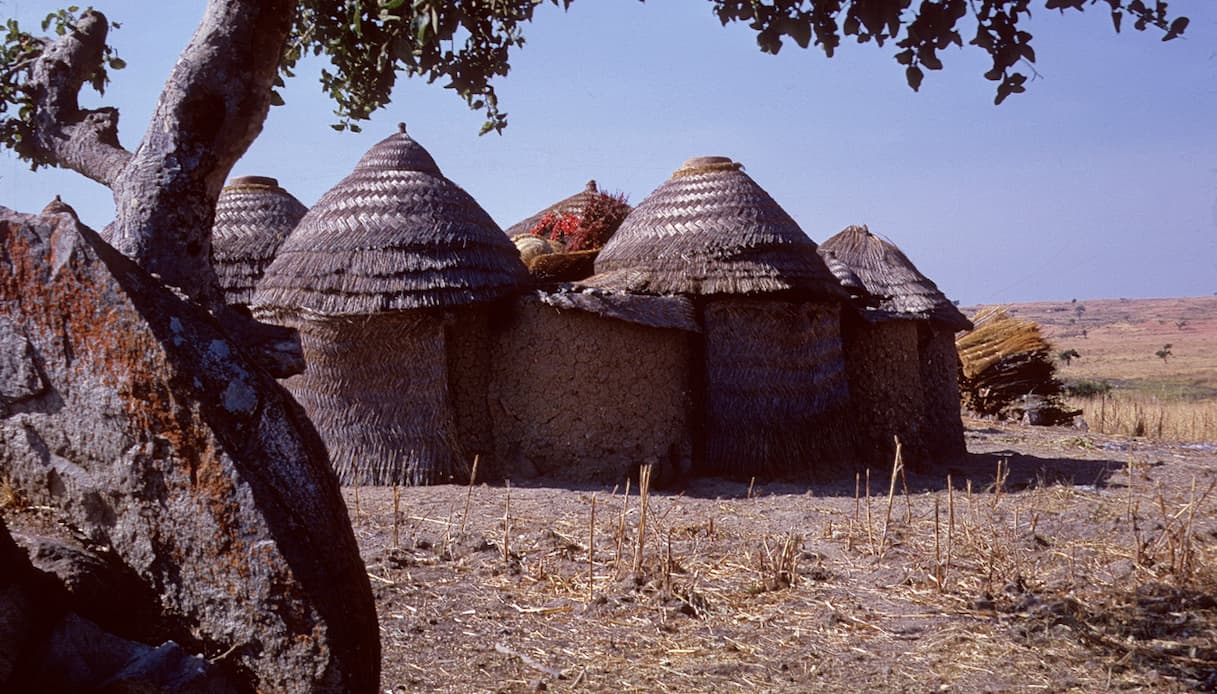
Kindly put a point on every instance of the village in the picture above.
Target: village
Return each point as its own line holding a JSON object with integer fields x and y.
{"x": 708, "y": 335}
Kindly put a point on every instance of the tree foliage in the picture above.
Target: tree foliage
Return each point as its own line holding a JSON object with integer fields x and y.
{"x": 1164, "y": 353}
{"x": 367, "y": 42}
{"x": 933, "y": 25}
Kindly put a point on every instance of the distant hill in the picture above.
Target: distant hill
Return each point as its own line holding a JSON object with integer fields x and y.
{"x": 1118, "y": 340}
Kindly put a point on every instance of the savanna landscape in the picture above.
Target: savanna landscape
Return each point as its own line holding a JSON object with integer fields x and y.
{"x": 1056, "y": 559}
{"x": 1145, "y": 366}
{"x": 202, "y": 491}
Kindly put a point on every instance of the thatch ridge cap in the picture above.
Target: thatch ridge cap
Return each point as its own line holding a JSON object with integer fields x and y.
{"x": 714, "y": 229}
{"x": 893, "y": 285}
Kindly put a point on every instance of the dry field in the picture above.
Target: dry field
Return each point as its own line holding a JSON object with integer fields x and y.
{"x": 1055, "y": 560}
{"x": 1118, "y": 339}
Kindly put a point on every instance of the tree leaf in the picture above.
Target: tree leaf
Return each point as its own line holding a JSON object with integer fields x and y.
{"x": 914, "y": 76}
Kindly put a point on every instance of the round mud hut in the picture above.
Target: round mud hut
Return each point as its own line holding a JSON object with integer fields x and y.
{"x": 900, "y": 353}
{"x": 253, "y": 217}
{"x": 388, "y": 278}
{"x": 768, "y": 381}
{"x": 589, "y": 384}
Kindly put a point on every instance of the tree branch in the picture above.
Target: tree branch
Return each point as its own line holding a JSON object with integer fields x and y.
{"x": 211, "y": 109}
{"x": 85, "y": 141}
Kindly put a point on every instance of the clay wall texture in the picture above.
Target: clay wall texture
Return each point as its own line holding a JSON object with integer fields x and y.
{"x": 587, "y": 398}
{"x": 886, "y": 396}
{"x": 940, "y": 381}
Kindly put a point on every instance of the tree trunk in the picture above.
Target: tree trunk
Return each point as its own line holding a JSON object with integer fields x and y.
{"x": 211, "y": 109}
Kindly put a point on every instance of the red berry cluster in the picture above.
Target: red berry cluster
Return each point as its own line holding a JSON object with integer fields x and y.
{"x": 556, "y": 227}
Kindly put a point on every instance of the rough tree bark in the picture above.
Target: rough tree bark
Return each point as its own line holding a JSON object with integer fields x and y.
{"x": 211, "y": 109}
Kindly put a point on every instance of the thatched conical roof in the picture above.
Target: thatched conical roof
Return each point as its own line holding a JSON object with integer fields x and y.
{"x": 393, "y": 235}
{"x": 253, "y": 217}
{"x": 891, "y": 286}
{"x": 572, "y": 205}
{"x": 710, "y": 229}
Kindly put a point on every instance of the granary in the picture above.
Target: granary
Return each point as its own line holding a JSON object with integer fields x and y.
{"x": 573, "y": 205}
{"x": 389, "y": 278}
{"x": 253, "y": 217}
{"x": 589, "y": 384}
{"x": 560, "y": 243}
{"x": 900, "y": 352}
{"x": 768, "y": 376}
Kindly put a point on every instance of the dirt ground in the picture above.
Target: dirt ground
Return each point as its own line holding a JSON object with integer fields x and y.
{"x": 1090, "y": 566}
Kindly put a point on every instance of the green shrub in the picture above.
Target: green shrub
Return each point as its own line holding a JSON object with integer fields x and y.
{"x": 1088, "y": 389}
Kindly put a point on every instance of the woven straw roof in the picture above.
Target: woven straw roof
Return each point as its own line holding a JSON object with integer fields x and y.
{"x": 891, "y": 286}
{"x": 572, "y": 205}
{"x": 674, "y": 312}
{"x": 253, "y": 217}
{"x": 710, "y": 229}
{"x": 393, "y": 235}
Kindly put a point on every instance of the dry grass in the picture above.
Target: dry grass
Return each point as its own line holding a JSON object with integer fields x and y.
{"x": 1160, "y": 419}
{"x": 998, "y": 582}
{"x": 10, "y": 497}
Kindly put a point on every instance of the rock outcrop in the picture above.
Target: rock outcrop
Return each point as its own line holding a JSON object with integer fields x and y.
{"x": 132, "y": 413}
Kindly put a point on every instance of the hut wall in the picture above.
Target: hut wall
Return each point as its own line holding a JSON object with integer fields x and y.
{"x": 587, "y": 398}
{"x": 886, "y": 396}
{"x": 776, "y": 392}
{"x": 468, "y": 342}
{"x": 944, "y": 438}
{"x": 376, "y": 389}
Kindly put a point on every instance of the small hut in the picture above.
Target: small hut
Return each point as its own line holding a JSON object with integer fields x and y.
{"x": 388, "y": 278}
{"x": 589, "y": 384}
{"x": 253, "y": 217}
{"x": 573, "y": 205}
{"x": 768, "y": 379}
{"x": 560, "y": 243}
{"x": 902, "y": 378}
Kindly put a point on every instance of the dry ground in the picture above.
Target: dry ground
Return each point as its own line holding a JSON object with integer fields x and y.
{"x": 1091, "y": 565}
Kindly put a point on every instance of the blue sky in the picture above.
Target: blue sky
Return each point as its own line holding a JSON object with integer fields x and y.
{"x": 1100, "y": 181}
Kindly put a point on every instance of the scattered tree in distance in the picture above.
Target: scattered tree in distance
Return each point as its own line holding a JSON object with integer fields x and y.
{"x": 1164, "y": 353}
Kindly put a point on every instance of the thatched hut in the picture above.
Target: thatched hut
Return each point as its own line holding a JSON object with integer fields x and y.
{"x": 589, "y": 384}
{"x": 899, "y": 349}
{"x": 560, "y": 243}
{"x": 769, "y": 382}
{"x": 572, "y": 205}
{"x": 253, "y": 217}
{"x": 388, "y": 278}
